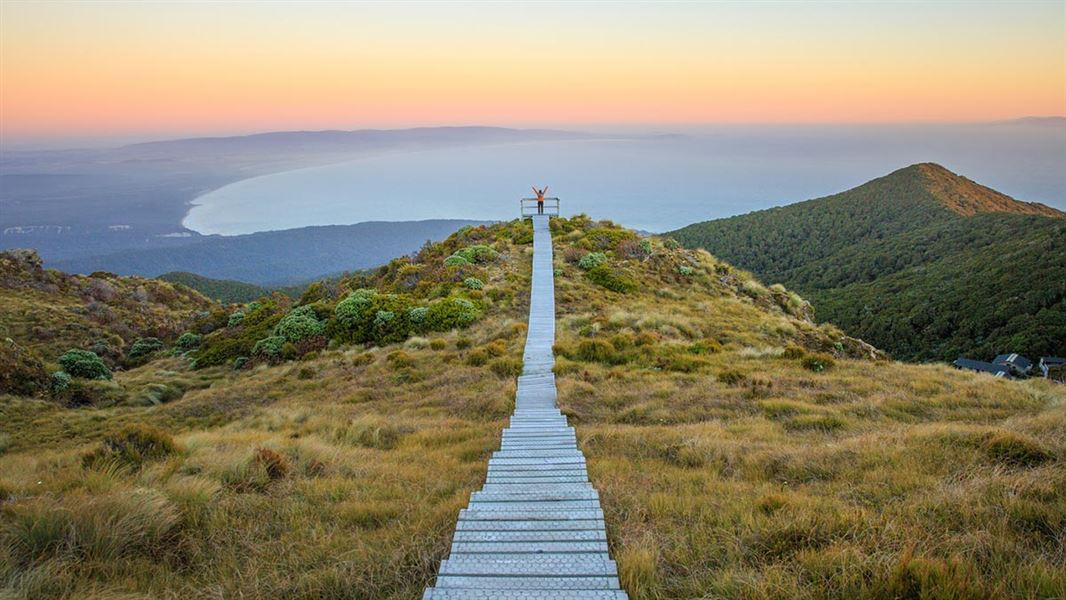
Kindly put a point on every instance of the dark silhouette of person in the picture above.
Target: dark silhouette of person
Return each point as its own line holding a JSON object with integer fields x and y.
{"x": 540, "y": 198}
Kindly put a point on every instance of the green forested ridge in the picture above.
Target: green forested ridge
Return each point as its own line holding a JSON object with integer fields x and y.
{"x": 224, "y": 290}
{"x": 921, "y": 262}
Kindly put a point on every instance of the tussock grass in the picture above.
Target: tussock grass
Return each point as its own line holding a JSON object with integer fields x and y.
{"x": 815, "y": 493}
{"x": 727, "y": 467}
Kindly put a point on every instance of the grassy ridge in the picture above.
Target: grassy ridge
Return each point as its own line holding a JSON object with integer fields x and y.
{"x": 740, "y": 449}
{"x": 890, "y": 261}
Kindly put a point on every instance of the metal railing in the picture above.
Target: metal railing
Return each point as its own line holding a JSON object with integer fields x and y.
{"x": 529, "y": 207}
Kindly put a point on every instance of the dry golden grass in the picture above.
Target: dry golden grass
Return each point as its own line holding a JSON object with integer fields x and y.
{"x": 727, "y": 467}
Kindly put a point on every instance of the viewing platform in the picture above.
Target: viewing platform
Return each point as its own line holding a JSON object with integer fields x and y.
{"x": 528, "y": 207}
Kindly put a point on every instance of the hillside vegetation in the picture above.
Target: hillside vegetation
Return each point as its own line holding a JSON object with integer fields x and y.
{"x": 741, "y": 450}
{"x": 226, "y": 291}
{"x": 923, "y": 263}
{"x": 44, "y": 313}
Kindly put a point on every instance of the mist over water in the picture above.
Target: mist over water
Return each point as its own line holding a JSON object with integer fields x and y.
{"x": 652, "y": 183}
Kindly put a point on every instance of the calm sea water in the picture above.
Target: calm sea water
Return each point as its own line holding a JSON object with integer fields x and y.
{"x": 651, "y": 183}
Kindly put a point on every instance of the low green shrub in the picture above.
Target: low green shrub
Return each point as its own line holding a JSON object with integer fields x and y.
{"x": 82, "y": 363}
{"x": 592, "y": 260}
{"x": 451, "y": 313}
{"x": 478, "y": 253}
{"x": 685, "y": 270}
{"x": 368, "y": 316}
{"x": 188, "y": 341}
{"x": 607, "y": 238}
{"x": 60, "y": 382}
{"x": 225, "y": 345}
{"x": 522, "y": 233}
{"x": 235, "y": 319}
{"x": 299, "y": 324}
{"x": 270, "y": 347}
{"x": 417, "y": 317}
{"x": 142, "y": 347}
{"x": 606, "y": 277}
{"x": 456, "y": 261}
{"x": 473, "y": 283}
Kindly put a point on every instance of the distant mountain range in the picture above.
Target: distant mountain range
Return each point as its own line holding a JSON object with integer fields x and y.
{"x": 921, "y": 262}
{"x": 275, "y": 258}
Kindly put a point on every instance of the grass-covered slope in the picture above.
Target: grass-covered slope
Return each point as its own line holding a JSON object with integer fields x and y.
{"x": 889, "y": 261}
{"x": 740, "y": 449}
{"x": 44, "y": 313}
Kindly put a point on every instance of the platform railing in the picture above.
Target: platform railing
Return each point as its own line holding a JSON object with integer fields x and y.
{"x": 529, "y": 206}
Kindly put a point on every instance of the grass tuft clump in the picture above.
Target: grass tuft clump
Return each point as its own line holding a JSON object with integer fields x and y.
{"x": 272, "y": 462}
{"x": 600, "y": 351}
{"x": 113, "y": 529}
{"x": 818, "y": 362}
{"x": 506, "y": 367}
{"x": 1016, "y": 450}
{"x": 132, "y": 445}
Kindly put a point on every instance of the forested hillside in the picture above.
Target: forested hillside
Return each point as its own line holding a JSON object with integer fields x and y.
{"x": 226, "y": 291}
{"x": 922, "y": 262}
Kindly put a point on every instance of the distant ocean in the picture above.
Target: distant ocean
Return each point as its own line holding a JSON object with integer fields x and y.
{"x": 655, "y": 183}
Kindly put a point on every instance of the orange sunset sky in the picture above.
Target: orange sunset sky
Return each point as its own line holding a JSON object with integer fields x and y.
{"x": 83, "y": 69}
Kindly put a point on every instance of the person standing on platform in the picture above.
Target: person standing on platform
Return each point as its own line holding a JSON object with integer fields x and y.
{"x": 540, "y": 198}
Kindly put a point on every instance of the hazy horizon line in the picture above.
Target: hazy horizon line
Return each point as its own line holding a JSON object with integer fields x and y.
{"x": 86, "y": 142}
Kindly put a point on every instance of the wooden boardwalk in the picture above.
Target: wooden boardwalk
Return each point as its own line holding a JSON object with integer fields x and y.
{"x": 535, "y": 530}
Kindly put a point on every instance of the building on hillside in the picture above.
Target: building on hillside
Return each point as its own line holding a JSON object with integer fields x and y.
{"x": 1054, "y": 368}
{"x": 982, "y": 367}
{"x": 1018, "y": 364}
